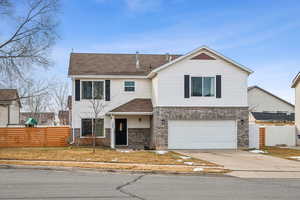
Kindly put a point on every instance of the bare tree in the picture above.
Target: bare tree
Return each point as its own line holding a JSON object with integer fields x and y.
{"x": 97, "y": 107}
{"x": 60, "y": 95}
{"x": 33, "y": 34}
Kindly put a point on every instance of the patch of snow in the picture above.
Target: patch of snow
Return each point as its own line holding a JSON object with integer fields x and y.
{"x": 295, "y": 157}
{"x": 161, "y": 152}
{"x": 188, "y": 163}
{"x": 179, "y": 160}
{"x": 114, "y": 160}
{"x": 198, "y": 169}
{"x": 258, "y": 151}
{"x": 124, "y": 151}
{"x": 185, "y": 157}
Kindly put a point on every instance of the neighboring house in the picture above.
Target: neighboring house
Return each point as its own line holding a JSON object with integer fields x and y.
{"x": 296, "y": 85}
{"x": 192, "y": 101}
{"x": 9, "y": 107}
{"x": 43, "y": 118}
{"x": 268, "y": 109}
{"x": 63, "y": 117}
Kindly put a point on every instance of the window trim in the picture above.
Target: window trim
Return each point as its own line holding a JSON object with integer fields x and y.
{"x": 202, "y": 85}
{"x": 129, "y": 86}
{"x": 81, "y": 90}
{"x": 104, "y": 134}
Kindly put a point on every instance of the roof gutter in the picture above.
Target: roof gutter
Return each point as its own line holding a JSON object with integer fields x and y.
{"x": 130, "y": 113}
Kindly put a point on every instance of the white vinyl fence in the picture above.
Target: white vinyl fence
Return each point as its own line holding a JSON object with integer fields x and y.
{"x": 254, "y": 136}
{"x": 277, "y": 135}
{"x": 274, "y": 135}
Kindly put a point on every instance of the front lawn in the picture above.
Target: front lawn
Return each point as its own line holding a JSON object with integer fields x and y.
{"x": 102, "y": 155}
{"x": 286, "y": 153}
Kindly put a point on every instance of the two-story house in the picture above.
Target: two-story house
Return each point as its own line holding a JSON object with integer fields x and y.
{"x": 160, "y": 101}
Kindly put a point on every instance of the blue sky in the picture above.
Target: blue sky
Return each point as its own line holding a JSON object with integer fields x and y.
{"x": 263, "y": 35}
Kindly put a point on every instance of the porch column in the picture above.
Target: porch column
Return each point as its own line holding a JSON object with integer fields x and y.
{"x": 112, "y": 132}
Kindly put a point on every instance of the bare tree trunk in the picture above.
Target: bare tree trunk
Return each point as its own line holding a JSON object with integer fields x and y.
{"x": 94, "y": 137}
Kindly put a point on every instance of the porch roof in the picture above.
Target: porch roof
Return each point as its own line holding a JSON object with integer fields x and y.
{"x": 135, "y": 106}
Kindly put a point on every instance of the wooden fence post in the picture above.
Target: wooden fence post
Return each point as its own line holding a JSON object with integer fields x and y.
{"x": 262, "y": 137}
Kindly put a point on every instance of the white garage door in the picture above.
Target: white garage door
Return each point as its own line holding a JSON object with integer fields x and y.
{"x": 189, "y": 134}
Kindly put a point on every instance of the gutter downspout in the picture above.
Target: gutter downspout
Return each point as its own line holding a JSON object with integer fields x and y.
{"x": 112, "y": 132}
{"x": 8, "y": 115}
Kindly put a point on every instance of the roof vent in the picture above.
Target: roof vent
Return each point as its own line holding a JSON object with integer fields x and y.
{"x": 137, "y": 61}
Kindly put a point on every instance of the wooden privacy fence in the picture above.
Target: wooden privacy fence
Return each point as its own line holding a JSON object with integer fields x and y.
{"x": 34, "y": 137}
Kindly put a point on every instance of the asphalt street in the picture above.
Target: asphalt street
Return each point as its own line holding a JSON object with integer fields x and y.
{"x": 81, "y": 184}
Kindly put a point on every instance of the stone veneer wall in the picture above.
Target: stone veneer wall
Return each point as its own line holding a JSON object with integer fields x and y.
{"x": 161, "y": 115}
{"x": 89, "y": 141}
{"x": 138, "y": 138}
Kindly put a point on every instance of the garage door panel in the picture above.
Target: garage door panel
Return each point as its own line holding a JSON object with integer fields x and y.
{"x": 185, "y": 134}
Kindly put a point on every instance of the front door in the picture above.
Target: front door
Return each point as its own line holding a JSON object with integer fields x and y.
{"x": 121, "y": 131}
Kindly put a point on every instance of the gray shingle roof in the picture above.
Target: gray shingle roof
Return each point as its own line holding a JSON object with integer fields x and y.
{"x": 135, "y": 105}
{"x": 270, "y": 116}
{"x": 115, "y": 64}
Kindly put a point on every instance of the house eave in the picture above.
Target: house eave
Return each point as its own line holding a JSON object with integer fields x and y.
{"x": 248, "y": 70}
{"x": 130, "y": 113}
{"x": 295, "y": 80}
{"x": 107, "y": 76}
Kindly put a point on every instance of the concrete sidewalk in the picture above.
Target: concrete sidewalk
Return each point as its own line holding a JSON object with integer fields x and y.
{"x": 250, "y": 165}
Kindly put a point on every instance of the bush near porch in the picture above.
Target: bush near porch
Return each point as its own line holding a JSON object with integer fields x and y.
{"x": 85, "y": 154}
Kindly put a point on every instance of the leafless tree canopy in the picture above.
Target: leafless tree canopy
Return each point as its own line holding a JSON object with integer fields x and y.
{"x": 33, "y": 34}
{"x": 60, "y": 96}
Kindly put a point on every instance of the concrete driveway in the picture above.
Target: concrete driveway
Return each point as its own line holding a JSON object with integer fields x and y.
{"x": 250, "y": 165}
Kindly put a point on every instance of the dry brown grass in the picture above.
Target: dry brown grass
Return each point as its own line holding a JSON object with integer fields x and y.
{"x": 101, "y": 155}
{"x": 118, "y": 166}
{"x": 282, "y": 152}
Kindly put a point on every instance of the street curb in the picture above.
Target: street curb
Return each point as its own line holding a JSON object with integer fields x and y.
{"x": 59, "y": 168}
{"x": 121, "y": 163}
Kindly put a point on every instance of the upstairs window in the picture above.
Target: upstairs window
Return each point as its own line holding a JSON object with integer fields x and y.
{"x": 203, "y": 86}
{"x": 87, "y": 89}
{"x": 98, "y": 89}
{"x": 92, "y": 89}
{"x": 129, "y": 86}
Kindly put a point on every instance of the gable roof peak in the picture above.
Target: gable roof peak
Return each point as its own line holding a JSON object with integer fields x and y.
{"x": 269, "y": 93}
{"x": 195, "y": 51}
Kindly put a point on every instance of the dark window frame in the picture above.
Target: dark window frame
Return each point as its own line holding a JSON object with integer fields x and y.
{"x": 93, "y": 91}
{"x": 202, "y": 86}
{"x": 92, "y": 124}
{"x": 129, "y": 88}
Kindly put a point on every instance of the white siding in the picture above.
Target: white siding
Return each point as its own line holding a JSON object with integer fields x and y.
{"x": 83, "y": 109}
{"x": 260, "y": 101}
{"x": 154, "y": 91}
{"x": 171, "y": 84}
{"x": 14, "y": 113}
{"x": 3, "y": 115}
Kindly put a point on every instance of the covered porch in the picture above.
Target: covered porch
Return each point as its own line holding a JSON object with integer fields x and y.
{"x": 131, "y": 125}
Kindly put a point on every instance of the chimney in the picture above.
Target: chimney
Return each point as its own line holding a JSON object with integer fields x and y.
{"x": 137, "y": 61}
